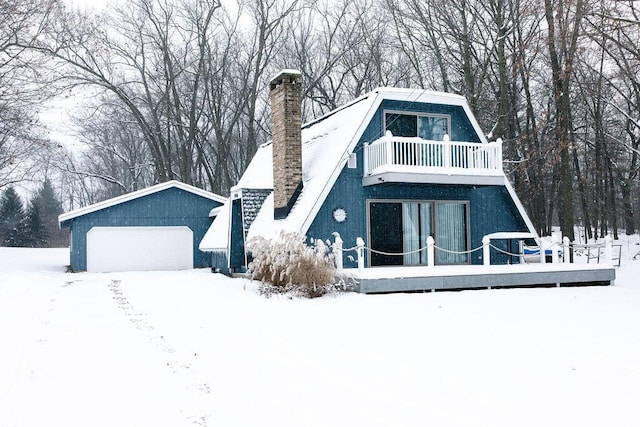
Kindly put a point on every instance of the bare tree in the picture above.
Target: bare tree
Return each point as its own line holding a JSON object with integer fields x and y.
{"x": 564, "y": 20}
{"x": 21, "y": 91}
{"x": 146, "y": 54}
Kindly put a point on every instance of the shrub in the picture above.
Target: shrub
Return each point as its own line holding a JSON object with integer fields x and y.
{"x": 288, "y": 265}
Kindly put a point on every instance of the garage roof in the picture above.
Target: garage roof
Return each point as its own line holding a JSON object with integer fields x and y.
{"x": 137, "y": 194}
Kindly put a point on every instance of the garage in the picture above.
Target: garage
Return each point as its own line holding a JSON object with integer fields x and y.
{"x": 156, "y": 228}
{"x": 139, "y": 248}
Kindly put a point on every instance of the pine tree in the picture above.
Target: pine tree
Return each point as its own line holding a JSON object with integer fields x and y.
{"x": 35, "y": 232}
{"x": 12, "y": 223}
{"x": 50, "y": 208}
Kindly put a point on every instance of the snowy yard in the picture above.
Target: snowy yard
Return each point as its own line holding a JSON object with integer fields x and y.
{"x": 193, "y": 348}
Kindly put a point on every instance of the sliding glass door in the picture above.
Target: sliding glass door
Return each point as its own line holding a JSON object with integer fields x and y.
{"x": 451, "y": 233}
{"x": 416, "y": 227}
{"x": 398, "y": 232}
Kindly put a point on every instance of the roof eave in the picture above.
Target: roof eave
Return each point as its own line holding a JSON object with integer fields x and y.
{"x": 65, "y": 218}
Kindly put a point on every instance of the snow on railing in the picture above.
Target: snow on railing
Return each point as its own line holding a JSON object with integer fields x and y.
{"x": 421, "y": 153}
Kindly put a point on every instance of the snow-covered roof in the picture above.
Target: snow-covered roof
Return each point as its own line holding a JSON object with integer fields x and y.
{"x": 259, "y": 173}
{"x": 137, "y": 194}
{"x": 327, "y": 143}
{"x": 217, "y": 236}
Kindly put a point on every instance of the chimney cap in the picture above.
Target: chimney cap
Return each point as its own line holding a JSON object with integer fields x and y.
{"x": 277, "y": 79}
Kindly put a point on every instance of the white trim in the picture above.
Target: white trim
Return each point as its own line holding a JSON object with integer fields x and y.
{"x": 511, "y": 235}
{"x": 435, "y": 178}
{"x": 215, "y": 211}
{"x": 229, "y": 220}
{"x": 137, "y": 194}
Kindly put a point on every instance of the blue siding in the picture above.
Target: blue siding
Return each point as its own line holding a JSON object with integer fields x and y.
{"x": 491, "y": 208}
{"x": 236, "y": 251}
{"x": 219, "y": 261}
{"x": 169, "y": 207}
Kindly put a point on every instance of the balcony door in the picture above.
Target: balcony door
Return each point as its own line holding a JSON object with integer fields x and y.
{"x": 398, "y": 232}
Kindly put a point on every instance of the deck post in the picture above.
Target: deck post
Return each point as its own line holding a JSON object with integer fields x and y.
{"x": 543, "y": 251}
{"x": 499, "y": 154}
{"x": 555, "y": 246}
{"x": 430, "y": 251}
{"x": 608, "y": 249}
{"x": 566, "y": 250}
{"x": 365, "y": 158}
{"x": 388, "y": 145}
{"x": 337, "y": 251}
{"x": 446, "y": 148}
{"x": 486, "y": 251}
{"x": 360, "y": 249}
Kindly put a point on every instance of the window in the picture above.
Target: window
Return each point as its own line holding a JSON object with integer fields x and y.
{"x": 426, "y": 126}
{"x": 398, "y": 232}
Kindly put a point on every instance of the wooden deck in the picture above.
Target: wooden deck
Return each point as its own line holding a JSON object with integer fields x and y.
{"x": 439, "y": 278}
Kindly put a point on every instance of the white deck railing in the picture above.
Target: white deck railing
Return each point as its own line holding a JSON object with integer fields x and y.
{"x": 466, "y": 157}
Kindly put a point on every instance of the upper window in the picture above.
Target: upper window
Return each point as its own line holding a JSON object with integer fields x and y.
{"x": 426, "y": 126}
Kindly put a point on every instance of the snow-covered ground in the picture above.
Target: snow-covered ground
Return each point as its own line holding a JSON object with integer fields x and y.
{"x": 193, "y": 348}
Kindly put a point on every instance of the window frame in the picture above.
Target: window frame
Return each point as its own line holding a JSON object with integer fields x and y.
{"x": 417, "y": 114}
{"x": 434, "y": 225}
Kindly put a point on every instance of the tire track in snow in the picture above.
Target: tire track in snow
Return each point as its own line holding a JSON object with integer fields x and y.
{"x": 176, "y": 366}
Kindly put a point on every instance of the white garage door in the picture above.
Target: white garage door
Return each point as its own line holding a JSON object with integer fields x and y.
{"x": 139, "y": 248}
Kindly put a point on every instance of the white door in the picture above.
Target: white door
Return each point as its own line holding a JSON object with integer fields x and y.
{"x": 139, "y": 248}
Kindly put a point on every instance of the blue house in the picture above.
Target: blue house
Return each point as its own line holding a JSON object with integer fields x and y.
{"x": 392, "y": 167}
{"x": 156, "y": 228}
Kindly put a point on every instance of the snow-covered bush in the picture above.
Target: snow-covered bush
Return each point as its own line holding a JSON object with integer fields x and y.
{"x": 288, "y": 264}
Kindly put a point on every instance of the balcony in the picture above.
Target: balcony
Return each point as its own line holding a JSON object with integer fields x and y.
{"x": 400, "y": 159}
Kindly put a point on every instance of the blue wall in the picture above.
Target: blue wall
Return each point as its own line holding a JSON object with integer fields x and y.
{"x": 461, "y": 127}
{"x": 491, "y": 208}
{"x": 236, "y": 251}
{"x": 169, "y": 207}
{"x": 219, "y": 262}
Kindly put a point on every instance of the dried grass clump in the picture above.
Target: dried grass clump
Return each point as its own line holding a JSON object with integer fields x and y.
{"x": 288, "y": 265}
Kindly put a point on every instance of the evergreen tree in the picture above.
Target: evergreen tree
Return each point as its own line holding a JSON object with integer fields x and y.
{"x": 35, "y": 232}
{"x": 50, "y": 207}
{"x": 12, "y": 223}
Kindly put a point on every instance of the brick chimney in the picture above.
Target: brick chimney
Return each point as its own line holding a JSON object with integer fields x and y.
{"x": 285, "y": 92}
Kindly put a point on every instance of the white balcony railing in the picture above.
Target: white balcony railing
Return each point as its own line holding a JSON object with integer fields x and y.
{"x": 419, "y": 155}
